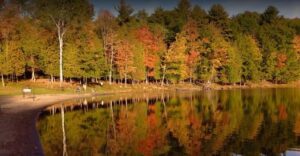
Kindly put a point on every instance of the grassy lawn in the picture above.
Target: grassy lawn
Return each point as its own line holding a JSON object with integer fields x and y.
{"x": 44, "y": 87}
{"x": 12, "y": 89}
{"x": 39, "y": 87}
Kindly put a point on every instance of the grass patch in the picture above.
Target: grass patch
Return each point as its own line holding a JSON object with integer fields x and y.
{"x": 12, "y": 89}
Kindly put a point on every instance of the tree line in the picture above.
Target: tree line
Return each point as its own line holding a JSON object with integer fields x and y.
{"x": 66, "y": 40}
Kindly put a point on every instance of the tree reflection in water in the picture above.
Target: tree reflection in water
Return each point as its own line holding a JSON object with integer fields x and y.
{"x": 65, "y": 153}
{"x": 248, "y": 122}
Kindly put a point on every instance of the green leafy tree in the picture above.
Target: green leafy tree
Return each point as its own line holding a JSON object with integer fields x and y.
{"x": 215, "y": 56}
{"x": 49, "y": 57}
{"x": 11, "y": 54}
{"x": 107, "y": 28}
{"x": 62, "y": 14}
{"x": 234, "y": 66}
{"x": 31, "y": 44}
{"x": 90, "y": 48}
{"x": 275, "y": 38}
{"x": 175, "y": 60}
{"x": 247, "y": 22}
{"x": 251, "y": 57}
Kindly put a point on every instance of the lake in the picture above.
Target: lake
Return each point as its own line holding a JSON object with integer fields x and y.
{"x": 235, "y": 122}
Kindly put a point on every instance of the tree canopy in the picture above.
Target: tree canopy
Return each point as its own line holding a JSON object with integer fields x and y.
{"x": 42, "y": 38}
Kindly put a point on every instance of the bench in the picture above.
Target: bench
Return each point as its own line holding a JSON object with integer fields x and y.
{"x": 26, "y": 91}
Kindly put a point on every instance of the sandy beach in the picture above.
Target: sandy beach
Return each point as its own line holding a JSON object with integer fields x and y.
{"x": 18, "y": 115}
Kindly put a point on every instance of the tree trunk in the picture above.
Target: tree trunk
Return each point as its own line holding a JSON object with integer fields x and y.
{"x": 163, "y": 77}
{"x": 51, "y": 79}
{"x": 61, "y": 44}
{"x": 147, "y": 81}
{"x": 125, "y": 80}
{"x": 191, "y": 77}
{"x": 111, "y": 63}
{"x": 33, "y": 74}
{"x": 126, "y": 107}
{"x": 32, "y": 69}
{"x": 2, "y": 79}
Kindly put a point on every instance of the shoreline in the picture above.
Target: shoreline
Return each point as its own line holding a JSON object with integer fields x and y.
{"x": 18, "y": 133}
{"x": 40, "y": 88}
{"x": 18, "y": 116}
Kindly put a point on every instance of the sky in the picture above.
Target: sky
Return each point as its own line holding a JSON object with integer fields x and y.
{"x": 287, "y": 8}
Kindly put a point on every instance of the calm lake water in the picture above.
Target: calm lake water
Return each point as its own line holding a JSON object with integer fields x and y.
{"x": 237, "y": 122}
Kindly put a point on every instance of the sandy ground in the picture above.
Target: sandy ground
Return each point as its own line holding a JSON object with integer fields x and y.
{"x": 18, "y": 134}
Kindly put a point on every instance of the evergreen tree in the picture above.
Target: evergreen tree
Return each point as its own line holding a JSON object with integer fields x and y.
{"x": 199, "y": 15}
{"x": 183, "y": 11}
{"x": 219, "y": 17}
{"x": 141, "y": 16}
{"x": 124, "y": 11}
{"x": 247, "y": 22}
{"x": 270, "y": 15}
{"x": 158, "y": 17}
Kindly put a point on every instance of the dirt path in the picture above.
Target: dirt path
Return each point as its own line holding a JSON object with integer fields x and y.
{"x": 18, "y": 135}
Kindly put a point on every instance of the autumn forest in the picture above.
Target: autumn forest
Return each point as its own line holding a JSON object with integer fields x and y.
{"x": 66, "y": 40}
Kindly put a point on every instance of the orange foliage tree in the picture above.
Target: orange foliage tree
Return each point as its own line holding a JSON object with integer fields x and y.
{"x": 193, "y": 46}
{"x": 124, "y": 59}
{"x": 281, "y": 61}
{"x": 150, "y": 50}
{"x": 296, "y": 43}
